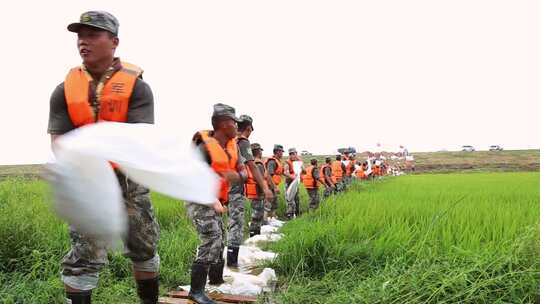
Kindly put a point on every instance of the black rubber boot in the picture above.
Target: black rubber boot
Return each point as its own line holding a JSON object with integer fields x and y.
{"x": 82, "y": 297}
{"x": 199, "y": 272}
{"x": 254, "y": 232}
{"x": 215, "y": 274}
{"x": 232, "y": 256}
{"x": 148, "y": 290}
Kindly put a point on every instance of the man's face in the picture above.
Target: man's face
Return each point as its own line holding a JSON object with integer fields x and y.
{"x": 293, "y": 156}
{"x": 279, "y": 153}
{"x": 95, "y": 45}
{"x": 229, "y": 127}
{"x": 248, "y": 131}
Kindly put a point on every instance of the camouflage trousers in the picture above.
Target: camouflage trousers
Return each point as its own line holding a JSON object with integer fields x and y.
{"x": 82, "y": 264}
{"x": 328, "y": 191}
{"x": 270, "y": 206}
{"x": 209, "y": 226}
{"x": 236, "y": 220}
{"x": 340, "y": 187}
{"x": 314, "y": 198}
{"x": 293, "y": 206}
{"x": 257, "y": 214}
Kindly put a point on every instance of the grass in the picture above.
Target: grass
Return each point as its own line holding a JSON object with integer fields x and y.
{"x": 34, "y": 241}
{"x": 452, "y": 238}
{"x": 456, "y": 238}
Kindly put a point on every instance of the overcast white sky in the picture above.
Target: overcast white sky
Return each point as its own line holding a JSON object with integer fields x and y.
{"x": 316, "y": 75}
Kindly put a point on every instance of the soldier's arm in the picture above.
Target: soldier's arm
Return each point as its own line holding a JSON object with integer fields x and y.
{"x": 241, "y": 168}
{"x": 315, "y": 175}
{"x": 59, "y": 120}
{"x": 141, "y": 104}
{"x": 328, "y": 177}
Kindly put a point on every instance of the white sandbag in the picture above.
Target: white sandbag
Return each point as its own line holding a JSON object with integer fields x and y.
{"x": 260, "y": 238}
{"x": 267, "y": 229}
{"x": 293, "y": 187}
{"x": 274, "y": 222}
{"x": 100, "y": 212}
{"x": 87, "y": 193}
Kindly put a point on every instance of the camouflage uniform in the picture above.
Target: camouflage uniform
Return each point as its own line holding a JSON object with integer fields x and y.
{"x": 257, "y": 206}
{"x": 80, "y": 267}
{"x": 313, "y": 194}
{"x": 314, "y": 198}
{"x": 328, "y": 190}
{"x": 237, "y": 200}
{"x": 271, "y": 205}
{"x": 209, "y": 226}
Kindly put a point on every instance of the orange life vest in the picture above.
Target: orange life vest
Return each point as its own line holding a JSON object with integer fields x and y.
{"x": 278, "y": 172}
{"x": 360, "y": 173}
{"x": 350, "y": 167}
{"x": 251, "y": 183}
{"x": 113, "y": 100}
{"x": 337, "y": 171}
{"x": 376, "y": 171}
{"x": 291, "y": 168}
{"x": 221, "y": 160}
{"x": 308, "y": 180}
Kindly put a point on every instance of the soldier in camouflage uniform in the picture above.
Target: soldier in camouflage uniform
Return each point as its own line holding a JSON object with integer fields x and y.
{"x": 311, "y": 180}
{"x": 274, "y": 168}
{"x": 293, "y": 206}
{"x": 220, "y": 150}
{"x": 97, "y": 40}
{"x": 326, "y": 173}
{"x": 237, "y": 195}
{"x": 255, "y": 192}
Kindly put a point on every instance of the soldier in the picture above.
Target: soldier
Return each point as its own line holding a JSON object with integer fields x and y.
{"x": 326, "y": 175}
{"x": 293, "y": 206}
{"x": 274, "y": 167}
{"x": 105, "y": 88}
{"x": 338, "y": 171}
{"x": 311, "y": 182}
{"x": 236, "y": 194}
{"x": 221, "y": 152}
{"x": 351, "y": 166}
{"x": 255, "y": 192}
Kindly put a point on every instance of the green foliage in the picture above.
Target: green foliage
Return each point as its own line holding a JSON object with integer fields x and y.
{"x": 468, "y": 238}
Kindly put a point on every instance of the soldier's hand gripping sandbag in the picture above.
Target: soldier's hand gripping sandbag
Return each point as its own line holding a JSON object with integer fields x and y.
{"x": 86, "y": 189}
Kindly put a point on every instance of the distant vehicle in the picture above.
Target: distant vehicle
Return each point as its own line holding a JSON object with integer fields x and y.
{"x": 347, "y": 150}
{"x": 467, "y": 148}
{"x": 305, "y": 153}
{"x": 495, "y": 148}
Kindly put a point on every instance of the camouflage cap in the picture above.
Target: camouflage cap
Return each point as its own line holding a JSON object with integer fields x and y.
{"x": 256, "y": 146}
{"x": 278, "y": 147}
{"x": 292, "y": 150}
{"x": 96, "y": 19}
{"x": 247, "y": 118}
{"x": 223, "y": 110}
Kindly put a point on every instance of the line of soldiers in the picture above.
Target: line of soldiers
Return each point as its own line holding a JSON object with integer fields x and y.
{"x": 104, "y": 88}
{"x": 246, "y": 175}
